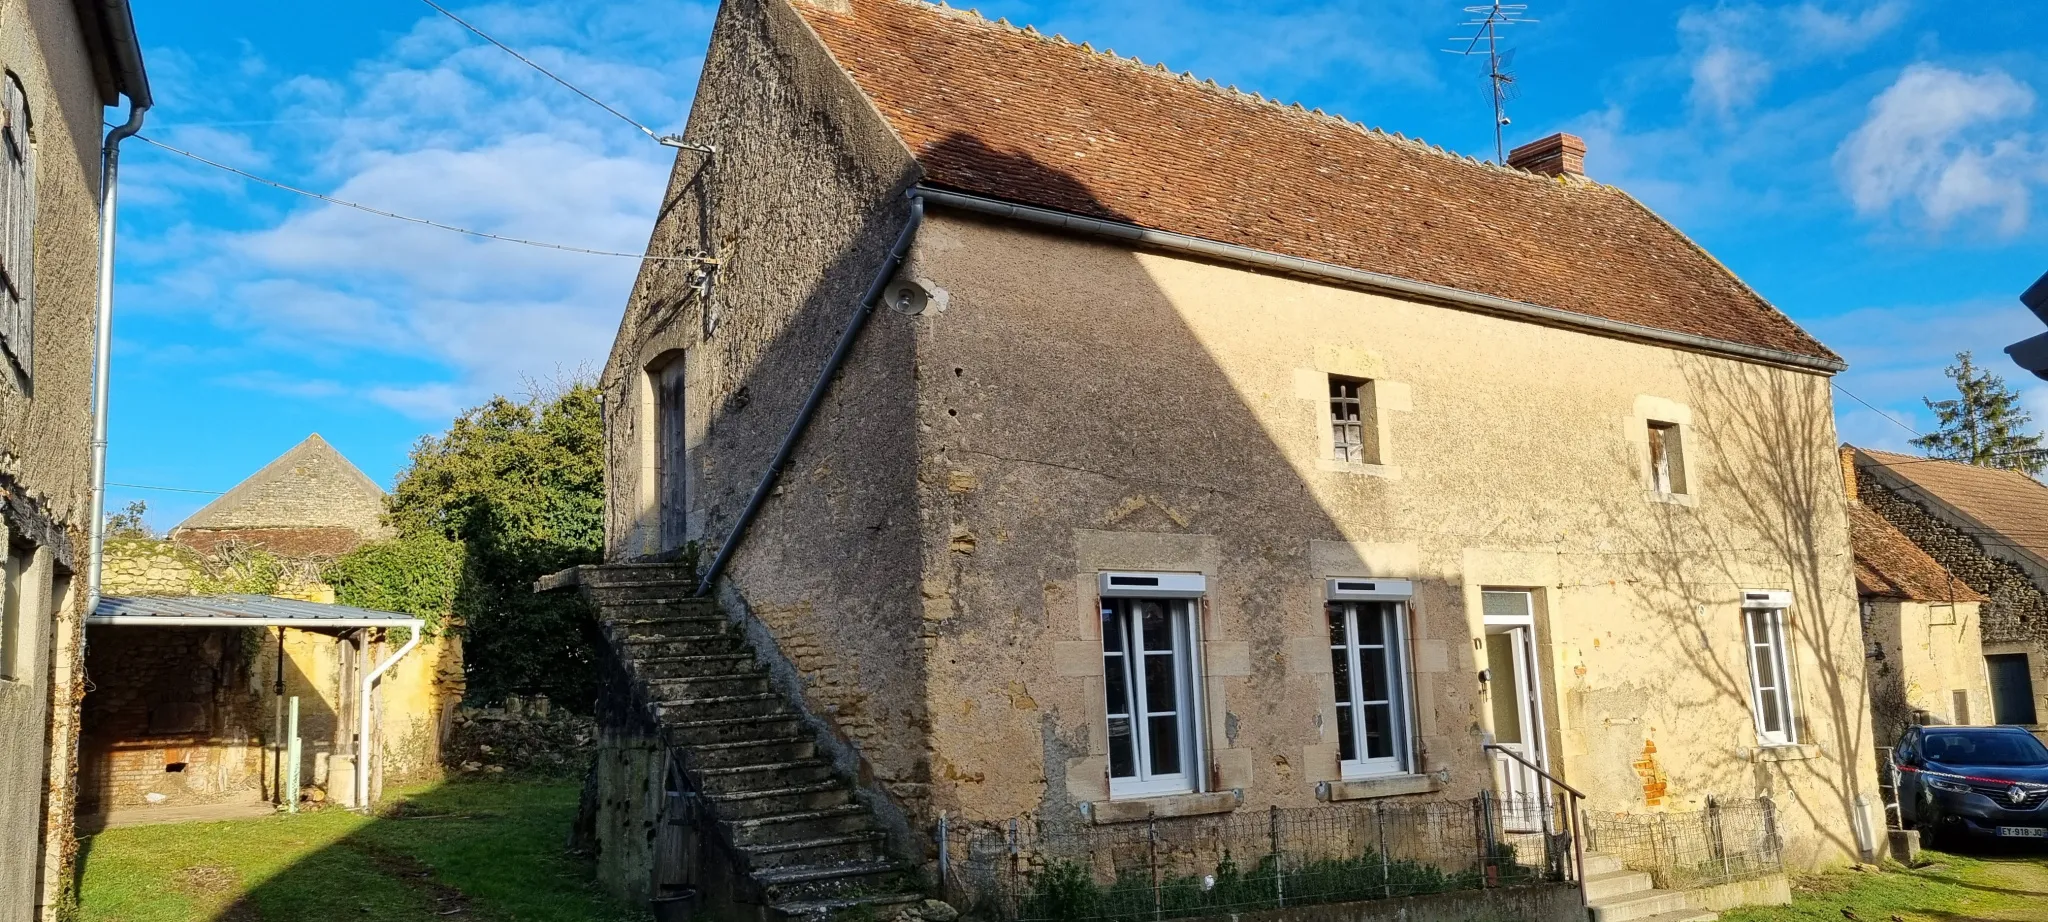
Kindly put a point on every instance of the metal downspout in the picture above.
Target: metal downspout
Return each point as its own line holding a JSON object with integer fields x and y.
{"x": 103, "y": 338}
{"x": 363, "y": 717}
{"x": 859, "y": 321}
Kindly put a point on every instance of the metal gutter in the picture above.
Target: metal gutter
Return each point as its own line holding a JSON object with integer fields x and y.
{"x": 1371, "y": 281}
{"x": 859, "y": 321}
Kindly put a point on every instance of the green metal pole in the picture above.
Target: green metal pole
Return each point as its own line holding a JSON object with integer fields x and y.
{"x": 291, "y": 792}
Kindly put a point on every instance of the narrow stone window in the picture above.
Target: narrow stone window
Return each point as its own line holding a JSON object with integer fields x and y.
{"x": 1770, "y": 674}
{"x": 13, "y": 622}
{"x": 1667, "y": 459}
{"x": 17, "y": 223}
{"x": 1354, "y": 431}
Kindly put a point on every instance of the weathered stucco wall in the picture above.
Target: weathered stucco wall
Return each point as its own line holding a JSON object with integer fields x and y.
{"x": 44, "y": 433}
{"x": 804, "y": 200}
{"x": 1082, "y": 407}
{"x": 1921, "y": 656}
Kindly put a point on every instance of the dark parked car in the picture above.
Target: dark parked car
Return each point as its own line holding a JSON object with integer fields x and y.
{"x": 1989, "y": 781}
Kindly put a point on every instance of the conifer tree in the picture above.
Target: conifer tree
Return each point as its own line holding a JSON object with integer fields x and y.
{"x": 1984, "y": 424}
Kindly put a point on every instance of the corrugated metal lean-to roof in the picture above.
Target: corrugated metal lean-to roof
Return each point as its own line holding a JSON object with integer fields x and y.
{"x": 238, "y": 610}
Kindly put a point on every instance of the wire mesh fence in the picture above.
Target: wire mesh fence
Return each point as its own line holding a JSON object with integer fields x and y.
{"x": 1682, "y": 851}
{"x": 1249, "y": 860}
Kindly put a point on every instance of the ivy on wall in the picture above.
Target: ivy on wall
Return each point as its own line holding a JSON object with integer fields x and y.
{"x": 418, "y": 576}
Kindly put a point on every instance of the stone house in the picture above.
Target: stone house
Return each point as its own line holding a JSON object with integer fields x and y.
{"x": 62, "y": 64}
{"x": 1922, "y": 628}
{"x": 1983, "y": 526}
{"x": 1174, "y": 451}
{"x": 187, "y": 715}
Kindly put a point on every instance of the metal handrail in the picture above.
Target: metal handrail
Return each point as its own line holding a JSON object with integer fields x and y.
{"x": 1575, "y": 824}
{"x": 1538, "y": 769}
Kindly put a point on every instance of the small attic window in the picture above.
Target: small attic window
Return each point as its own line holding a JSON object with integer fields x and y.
{"x": 1667, "y": 459}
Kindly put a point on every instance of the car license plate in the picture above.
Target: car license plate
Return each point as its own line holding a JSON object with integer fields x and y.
{"x": 2023, "y": 832}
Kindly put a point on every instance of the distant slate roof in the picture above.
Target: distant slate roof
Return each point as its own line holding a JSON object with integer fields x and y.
{"x": 1012, "y": 114}
{"x": 1997, "y": 507}
{"x": 310, "y": 486}
{"x": 236, "y": 611}
{"x": 1890, "y": 566}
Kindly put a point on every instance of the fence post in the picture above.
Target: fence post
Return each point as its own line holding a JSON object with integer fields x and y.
{"x": 1273, "y": 833}
{"x": 1483, "y": 832}
{"x": 944, "y": 852}
{"x": 1152, "y": 860}
{"x": 1379, "y": 815}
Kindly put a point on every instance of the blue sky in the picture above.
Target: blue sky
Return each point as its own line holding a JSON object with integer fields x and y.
{"x": 1870, "y": 167}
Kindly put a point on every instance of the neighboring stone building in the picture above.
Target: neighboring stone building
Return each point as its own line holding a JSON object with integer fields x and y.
{"x": 1267, "y": 396}
{"x": 310, "y": 502}
{"x": 1984, "y": 526}
{"x": 61, "y": 64}
{"x": 1921, "y": 629}
{"x": 188, "y": 715}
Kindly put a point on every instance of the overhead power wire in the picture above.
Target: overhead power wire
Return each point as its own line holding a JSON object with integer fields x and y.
{"x": 669, "y": 140}
{"x": 245, "y": 174}
{"x": 1873, "y": 408}
{"x": 142, "y": 486}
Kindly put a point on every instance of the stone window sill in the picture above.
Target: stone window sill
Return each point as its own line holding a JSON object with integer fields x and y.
{"x": 1335, "y": 466}
{"x": 1672, "y": 499}
{"x": 1797, "y": 752}
{"x": 1140, "y": 809}
{"x": 1364, "y": 788}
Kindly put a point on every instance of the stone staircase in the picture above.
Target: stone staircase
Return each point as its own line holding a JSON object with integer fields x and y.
{"x": 1616, "y": 894}
{"x": 806, "y": 846}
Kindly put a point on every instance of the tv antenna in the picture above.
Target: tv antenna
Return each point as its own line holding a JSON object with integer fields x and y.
{"x": 1486, "y": 24}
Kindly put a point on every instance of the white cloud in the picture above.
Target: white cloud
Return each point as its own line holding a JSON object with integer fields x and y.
{"x": 1735, "y": 51}
{"x": 1945, "y": 144}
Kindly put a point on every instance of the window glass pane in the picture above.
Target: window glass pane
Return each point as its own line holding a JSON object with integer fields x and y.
{"x": 1112, "y": 629}
{"x": 1156, "y": 624}
{"x": 1373, "y": 678}
{"x": 1372, "y": 625}
{"x": 1122, "y": 752}
{"x": 1505, "y": 604}
{"x": 1161, "y": 683}
{"x": 1768, "y": 701}
{"x": 1164, "y": 738}
{"x": 1115, "y": 685}
{"x": 1347, "y": 735}
{"x": 1340, "y": 667}
{"x": 1335, "y": 614}
{"x": 1379, "y": 731}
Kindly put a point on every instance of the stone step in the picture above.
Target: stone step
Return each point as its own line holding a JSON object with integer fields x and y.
{"x": 864, "y": 845}
{"x": 700, "y": 664}
{"x": 627, "y": 591}
{"x": 1597, "y": 863}
{"x": 602, "y": 574}
{"x": 1683, "y": 915}
{"x": 816, "y": 881}
{"x": 751, "y": 752}
{"x": 709, "y": 686}
{"x": 1617, "y": 883}
{"x": 686, "y": 603}
{"x": 877, "y": 904}
{"x": 679, "y": 627}
{"x": 700, "y": 645}
{"x": 1635, "y": 906}
{"x": 720, "y": 707}
{"x": 778, "y": 801}
{"x": 688, "y": 733}
{"x": 734, "y": 779}
{"x": 798, "y": 825}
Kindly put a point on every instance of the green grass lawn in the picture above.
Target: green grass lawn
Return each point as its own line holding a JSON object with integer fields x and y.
{"x": 1993, "y": 884}
{"x": 482, "y": 851}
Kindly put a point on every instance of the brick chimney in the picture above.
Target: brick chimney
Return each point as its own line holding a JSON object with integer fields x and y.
{"x": 1558, "y": 155}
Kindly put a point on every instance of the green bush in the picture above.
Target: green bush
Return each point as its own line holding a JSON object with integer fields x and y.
{"x": 417, "y": 576}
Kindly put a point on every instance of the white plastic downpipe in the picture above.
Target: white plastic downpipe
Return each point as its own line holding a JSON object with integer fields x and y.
{"x": 363, "y": 715}
{"x": 103, "y": 339}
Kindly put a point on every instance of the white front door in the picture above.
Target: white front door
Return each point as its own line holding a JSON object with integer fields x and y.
{"x": 1517, "y": 704}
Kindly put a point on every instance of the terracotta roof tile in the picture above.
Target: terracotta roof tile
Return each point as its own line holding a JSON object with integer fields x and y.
{"x": 1011, "y": 114}
{"x": 1890, "y": 566}
{"x": 2011, "y": 507}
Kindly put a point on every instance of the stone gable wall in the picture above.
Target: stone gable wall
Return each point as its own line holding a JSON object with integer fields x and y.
{"x": 2018, "y": 610}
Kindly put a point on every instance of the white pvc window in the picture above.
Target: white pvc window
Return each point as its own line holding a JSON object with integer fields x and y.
{"x": 1149, "y": 683}
{"x": 1368, "y": 665}
{"x": 17, "y": 224}
{"x": 1770, "y": 676}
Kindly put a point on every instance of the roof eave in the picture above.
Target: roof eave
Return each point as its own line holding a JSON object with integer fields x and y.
{"x": 1373, "y": 281}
